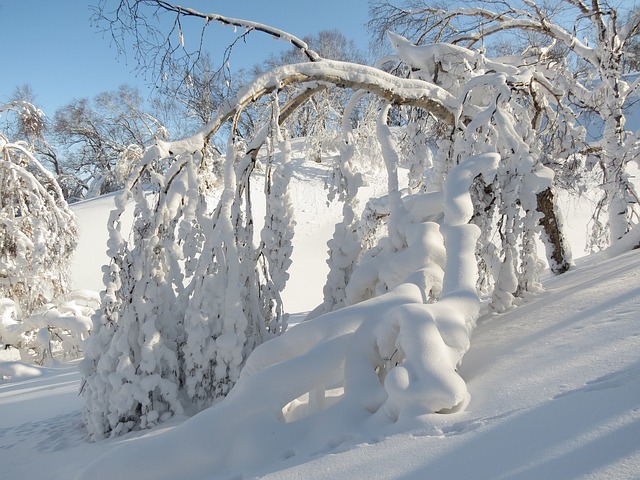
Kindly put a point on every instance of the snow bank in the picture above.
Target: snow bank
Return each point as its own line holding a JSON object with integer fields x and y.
{"x": 15, "y": 371}
{"x": 554, "y": 391}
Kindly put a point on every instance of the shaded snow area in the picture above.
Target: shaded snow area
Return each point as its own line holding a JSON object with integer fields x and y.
{"x": 554, "y": 391}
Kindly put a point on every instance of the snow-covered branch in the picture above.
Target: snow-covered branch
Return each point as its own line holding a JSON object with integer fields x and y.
{"x": 237, "y": 22}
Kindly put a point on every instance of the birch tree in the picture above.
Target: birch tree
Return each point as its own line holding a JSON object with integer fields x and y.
{"x": 39, "y": 232}
{"x": 94, "y": 136}
{"x": 595, "y": 36}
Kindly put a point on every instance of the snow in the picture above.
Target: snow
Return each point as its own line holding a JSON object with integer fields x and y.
{"x": 13, "y": 371}
{"x": 413, "y": 92}
{"x": 91, "y": 253}
{"x": 554, "y": 387}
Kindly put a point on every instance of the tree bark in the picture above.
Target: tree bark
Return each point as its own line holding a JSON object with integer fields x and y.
{"x": 557, "y": 247}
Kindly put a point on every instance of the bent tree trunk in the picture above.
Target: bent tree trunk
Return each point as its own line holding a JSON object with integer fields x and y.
{"x": 556, "y": 245}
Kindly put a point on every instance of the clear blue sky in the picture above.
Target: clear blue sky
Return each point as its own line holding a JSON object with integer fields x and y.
{"x": 51, "y": 45}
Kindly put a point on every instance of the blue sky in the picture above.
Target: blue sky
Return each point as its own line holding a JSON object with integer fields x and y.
{"x": 52, "y": 46}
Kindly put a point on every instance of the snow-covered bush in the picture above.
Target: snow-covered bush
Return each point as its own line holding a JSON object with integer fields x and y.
{"x": 185, "y": 301}
{"x": 131, "y": 366}
{"x": 55, "y": 332}
{"x": 38, "y": 235}
{"x": 37, "y": 230}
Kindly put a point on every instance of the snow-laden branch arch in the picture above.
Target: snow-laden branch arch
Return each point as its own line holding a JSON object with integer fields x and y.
{"x": 400, "y": 91}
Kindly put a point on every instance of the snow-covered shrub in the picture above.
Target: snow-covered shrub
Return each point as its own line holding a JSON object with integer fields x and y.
{"x": 185, "y": 301}
{"x": 55, "y": 332}
{"x": 278, "y": 230}
{"x": 132, "y": 366}
{"x": 38, "y": 235}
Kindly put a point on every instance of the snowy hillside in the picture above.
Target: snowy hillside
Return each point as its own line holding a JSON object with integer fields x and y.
{"x": 554, "y": 389}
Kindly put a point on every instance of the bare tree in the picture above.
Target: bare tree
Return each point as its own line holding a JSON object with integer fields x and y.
{"x": 35, "y": 134}
{"x": 93, "y": 135}
{"x": 133, "y": 23}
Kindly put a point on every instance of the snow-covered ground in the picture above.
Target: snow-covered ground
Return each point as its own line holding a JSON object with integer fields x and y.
{"x": 555, "y": 384}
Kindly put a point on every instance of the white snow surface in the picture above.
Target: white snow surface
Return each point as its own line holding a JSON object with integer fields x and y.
{"x": 554, "y": 388}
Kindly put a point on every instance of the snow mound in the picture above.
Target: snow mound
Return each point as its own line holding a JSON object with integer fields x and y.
{"x": 14, "y": 371}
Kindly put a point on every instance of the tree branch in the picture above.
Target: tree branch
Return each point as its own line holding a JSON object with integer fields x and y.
{"x": 237, "y": 22}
